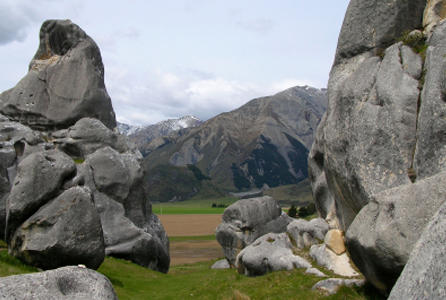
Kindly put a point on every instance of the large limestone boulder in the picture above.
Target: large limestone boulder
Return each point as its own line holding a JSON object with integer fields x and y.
{"x": 16, "y": 142}
{"x": 381, "y": 145}
{"x": 246, "y": 220}
{"x": 73, "y": 213}
{"x": 48, "y": 226}
{"x": 65, "y": 82}
{"x": 356, "y": 153}
{"x": 424, "y": 276}
{"x": 383, "y": 234}
{"x": 131, "y": 230}
{"x": 271, "y": 252}
{"x": 39, "y": 179}
{"x": 64, "y": 283}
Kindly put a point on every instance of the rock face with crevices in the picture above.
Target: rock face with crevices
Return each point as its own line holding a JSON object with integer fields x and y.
{"x": 65, "y": 82}
{"x": 377, "y": 162}
{"x": 424, "y": 276}
{"x": 72, "y": 189}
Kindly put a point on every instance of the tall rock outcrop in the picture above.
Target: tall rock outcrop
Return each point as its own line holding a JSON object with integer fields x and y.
{"x": 72, "y": 189}
{"x": 378, "y": 159}
{"x": 65, "y": 82}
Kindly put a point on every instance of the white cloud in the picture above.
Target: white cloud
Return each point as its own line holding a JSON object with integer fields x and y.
{"x": 160, "y": 95}
{"x": 18, "y": 16}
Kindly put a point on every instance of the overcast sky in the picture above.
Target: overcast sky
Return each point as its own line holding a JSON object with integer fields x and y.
{"x": 165, "y": 59}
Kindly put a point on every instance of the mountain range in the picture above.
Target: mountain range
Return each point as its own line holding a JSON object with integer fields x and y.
{"x": 141, "y": 135}
{"x": 262, "y": 144}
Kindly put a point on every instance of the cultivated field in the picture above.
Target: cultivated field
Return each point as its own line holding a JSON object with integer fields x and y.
{"x": 192, "y": 237}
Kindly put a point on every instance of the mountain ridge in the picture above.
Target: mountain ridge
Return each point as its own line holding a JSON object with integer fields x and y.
{"x": 255, "y": 145}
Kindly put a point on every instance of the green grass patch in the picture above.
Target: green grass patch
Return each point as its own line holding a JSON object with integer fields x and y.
{"x": 185, "y": 210}
{"x": 12, "y": 266}
{"x": 198, "y": 281}
{"x": 192, "y": 207}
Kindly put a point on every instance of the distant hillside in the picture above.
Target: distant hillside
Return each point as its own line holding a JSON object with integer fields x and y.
{"x": 263, "y": 143}
{"x": 171, "y": 183}
{"x": 299, "y": 194}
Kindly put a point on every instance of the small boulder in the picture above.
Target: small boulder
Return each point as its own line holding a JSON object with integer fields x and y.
{"x": 63, "y": 283}
{"x": 307, "y": 233}
{"x": 271, "y": 252}
{"x": 339, "y": 264}
{"x": 221, "y": 264}
{"x": 332, "y": 285}
{"x": 246, "y": 220}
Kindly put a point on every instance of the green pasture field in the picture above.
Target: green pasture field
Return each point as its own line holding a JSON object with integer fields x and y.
{"x": 197, "y": 207}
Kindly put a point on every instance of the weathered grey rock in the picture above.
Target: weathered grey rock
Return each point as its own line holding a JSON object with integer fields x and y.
{"x": 65, "y": 87}
{"x": 339, "y": 264}
{"x": 332, "y": 285}
{"x": 246, "y": 220}
{"x": 307, "y": 233}
{"x": 39, "y": 179}
{"x": 270, "y": 252}
{"x": 110, "y": 174}
{"x": 366, "y": 155}
{"x": 65, "y": 231}
{"x": 381, "y": 134}
{"x": 64, "y": 283}
{"x": 385, "y": 231}
{"x": 89, "y": 135}
{"x": 16, "y": 142}
{"x": 46, "y": 226}
{"x": 221, "y": 264}
{"x": 371, "y": 24}
{"x": 65, "y": 82}
{"x": 424, "y": 276}
{"x": 131, "y": 230}
{"x": 430, "y": 153}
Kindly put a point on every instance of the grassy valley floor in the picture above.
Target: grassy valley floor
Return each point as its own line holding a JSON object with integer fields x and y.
{"x": 193, "y": 251}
